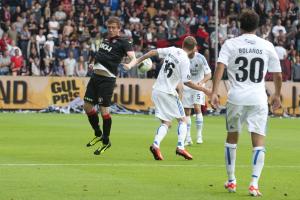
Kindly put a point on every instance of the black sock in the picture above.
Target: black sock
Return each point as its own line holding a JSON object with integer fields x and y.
{"x": 94, "y": 121}
{"x": 106, "y": 128}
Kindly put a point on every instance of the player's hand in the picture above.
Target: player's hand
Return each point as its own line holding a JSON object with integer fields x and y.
{"x": 127, "y": 66}
{"x": 275, "y": 102}
{"x": 214, "y": 99}
{"x": 90, "y": 67}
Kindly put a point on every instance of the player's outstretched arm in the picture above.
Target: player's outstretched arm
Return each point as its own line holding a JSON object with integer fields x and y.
{"x": 275, "y": 100}
{"x": 140, "y": 59}
{"x": 198, "y": 87}
{"x": 216, "y": 82}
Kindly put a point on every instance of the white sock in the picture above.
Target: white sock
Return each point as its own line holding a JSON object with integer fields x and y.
{"x": 230, "y": 157}
{"x": 258, "y": 160}
{"x": 160, "y": 134}
{"x": 199, "y": 125}
{"x": 182, "y": 129}
{"x": 188, "y": 134}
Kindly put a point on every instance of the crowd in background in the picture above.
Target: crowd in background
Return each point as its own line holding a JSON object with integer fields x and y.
{"x": 60, "y": 37}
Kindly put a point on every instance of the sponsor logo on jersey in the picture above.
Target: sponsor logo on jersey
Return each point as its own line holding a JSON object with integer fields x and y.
{"x": 105, "y": 47}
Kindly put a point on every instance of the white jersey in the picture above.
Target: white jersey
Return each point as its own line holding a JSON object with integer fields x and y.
{"x": 175, "y": 69}
{"x": 198, "y": 68}
{"x": 248, "y": 58}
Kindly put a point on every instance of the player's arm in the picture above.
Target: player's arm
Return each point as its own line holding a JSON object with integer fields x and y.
{"x": 216, "y": 83}
{"x": 206, "y": 78}
{"x": 131, "y": 55}
{"x": 198, "y": 87}
{"x": 274, "y": 67}
{"x": 179, "y": 90}
{"x": 275, "y": 101}
{"x": 140, "y": 59}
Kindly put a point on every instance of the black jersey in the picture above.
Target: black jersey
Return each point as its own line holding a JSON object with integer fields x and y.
{"x": 112, "y": 51}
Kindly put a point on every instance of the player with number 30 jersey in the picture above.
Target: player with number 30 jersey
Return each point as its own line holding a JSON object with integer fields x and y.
{"x": 248, "y": 58}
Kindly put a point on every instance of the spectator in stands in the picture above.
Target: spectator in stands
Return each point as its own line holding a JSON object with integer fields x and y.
{"x": 53, "y": 26}
{"x": 13, "y": 34}
{"x": 34, "y": 62}
{"x": 58, "y": 68}
{"x": 17, "y": 63}
{"x": 61, "y": 52}
{"x": 12, "y": 49}
{"x": 4, "y": 42}
{"x": 70, "y": 64}
{"x": 40, "y": 41}
{"x": 68, "y": 28}
{"x": 81, "y": 67}
{"x": 5, "y": 62}
{"x": 74, "y": 49}
{"x": 48, "y": 60}
{"x": 282, "y": 54}
{"x": 296, "y": 70}
{"x": 277, "y": 28}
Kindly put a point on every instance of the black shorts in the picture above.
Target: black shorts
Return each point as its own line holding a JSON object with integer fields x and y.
{"x": 100, "y": 90}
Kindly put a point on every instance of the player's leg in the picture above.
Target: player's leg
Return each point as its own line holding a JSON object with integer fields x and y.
{"x": 257, "y": 121}
{"x": 91, "y": 112}
{"x": 159, "y": 136}
{"x": 234, "y": 120}
{"x": 188, "y": 140}
{"x": 258, "y": 160}
{"x": 230, "y": 158}
{"x": 164, "y": 104}
{"x": 107, "y": 121}
{"x": 182, "y": 131}
{"x": 199, "y": 123}
{"x": 105, "y": 87}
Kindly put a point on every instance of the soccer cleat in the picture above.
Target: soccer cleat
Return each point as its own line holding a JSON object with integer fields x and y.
{"x": 102, "y": 148}
{"x": 254, "y": 191}
{"x": 199, "y": 141}
{"x": 188, "y": 143}
{"x": 184, "y": 153}
{"x": 156, "y": 153}
{"x": 94, "y": 141}
{"x": 230, "y": 186}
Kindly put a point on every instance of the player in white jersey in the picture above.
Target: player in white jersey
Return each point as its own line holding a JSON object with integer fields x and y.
{"x": 168, "y": 106}
{"x": 200, "y": 73}
{"x": 247, "y": 59}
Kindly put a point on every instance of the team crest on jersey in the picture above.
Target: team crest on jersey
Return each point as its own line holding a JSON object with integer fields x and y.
{"x": 114, "y": 41}
{"x": 100, "y": 100}
{"x": 188, "y": 77}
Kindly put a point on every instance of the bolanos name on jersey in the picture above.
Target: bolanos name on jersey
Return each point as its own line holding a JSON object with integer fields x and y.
{"x": 250, "y": 50}
{"x": 105, "y": 47}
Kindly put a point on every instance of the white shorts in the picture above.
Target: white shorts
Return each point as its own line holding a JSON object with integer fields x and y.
{"x": 255, "y": 116}
{"x": 167, "y": 106}
{"x": 192, "y": 97}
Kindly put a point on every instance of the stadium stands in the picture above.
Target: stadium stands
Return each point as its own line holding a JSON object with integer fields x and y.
{"x": 46, "y": 32}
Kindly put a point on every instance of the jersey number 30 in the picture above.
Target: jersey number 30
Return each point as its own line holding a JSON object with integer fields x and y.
{"x": 255, "y": 64}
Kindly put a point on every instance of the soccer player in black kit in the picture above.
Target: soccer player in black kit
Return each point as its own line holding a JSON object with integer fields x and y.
{"x": 101, "y": 85}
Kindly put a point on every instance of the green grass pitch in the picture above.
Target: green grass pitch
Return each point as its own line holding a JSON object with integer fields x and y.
{"x": 43, "y": 157}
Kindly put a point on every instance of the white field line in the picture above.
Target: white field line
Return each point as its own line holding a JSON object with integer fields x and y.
{"x": 133, "y": 165}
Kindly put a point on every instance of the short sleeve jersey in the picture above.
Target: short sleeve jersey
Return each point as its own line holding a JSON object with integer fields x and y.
{"x": 248, "y": 58}
{"x": 175, "y": 69}
{"x": 198, "y": 68}
{"x": 111, "y": 52}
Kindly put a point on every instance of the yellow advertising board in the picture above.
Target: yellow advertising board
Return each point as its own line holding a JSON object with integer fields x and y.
{"x": 40, "y": 92}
